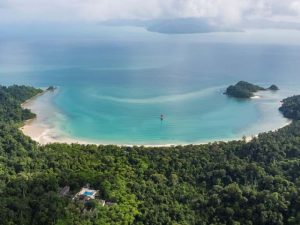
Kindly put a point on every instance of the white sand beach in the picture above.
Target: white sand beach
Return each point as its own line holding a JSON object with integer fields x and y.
{"x": 43, "y": 130}
{"x": 256, "y": 97}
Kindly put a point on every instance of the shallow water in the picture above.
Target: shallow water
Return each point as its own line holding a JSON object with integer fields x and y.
{"x": 113, "y": 89}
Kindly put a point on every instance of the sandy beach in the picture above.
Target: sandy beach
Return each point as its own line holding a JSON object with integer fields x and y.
{"x": 44, "y": 133}
{"x": 39, "y": 128}
{"x": 256, "y": 97}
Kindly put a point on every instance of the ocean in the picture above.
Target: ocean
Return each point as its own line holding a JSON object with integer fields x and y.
{"x": 114, "y": 83}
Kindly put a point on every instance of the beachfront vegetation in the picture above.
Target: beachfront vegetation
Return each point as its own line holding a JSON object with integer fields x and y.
{"x": 10, "y": 101}
{"x": 220, "y": 183}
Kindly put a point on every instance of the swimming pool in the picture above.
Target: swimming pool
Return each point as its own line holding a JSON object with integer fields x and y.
{"x": 88, "y": 193}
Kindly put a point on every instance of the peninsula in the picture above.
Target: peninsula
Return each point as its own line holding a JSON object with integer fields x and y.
{"x": 291, "y": 107}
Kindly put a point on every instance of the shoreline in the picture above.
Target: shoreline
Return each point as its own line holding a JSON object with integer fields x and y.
{"x": 28, "y": 101}
{"x": 44, "y": 134}
{"x": 43, "y": 137}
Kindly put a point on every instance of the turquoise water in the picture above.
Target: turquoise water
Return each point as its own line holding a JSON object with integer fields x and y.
{"x": 114, "y": 83}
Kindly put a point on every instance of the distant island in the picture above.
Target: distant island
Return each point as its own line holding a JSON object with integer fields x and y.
{"x": 175, "y": 25}
{"x": 244, "y": 89}
{"x": 273, "y": 87}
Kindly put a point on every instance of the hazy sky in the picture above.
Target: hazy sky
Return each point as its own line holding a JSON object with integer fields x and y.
{"x": 227, "y": 11}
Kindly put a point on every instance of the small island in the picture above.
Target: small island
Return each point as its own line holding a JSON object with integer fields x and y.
{"x": 273, "y": 87}
{"x": 51, "y": 88}
{"x": 244, "y": 89}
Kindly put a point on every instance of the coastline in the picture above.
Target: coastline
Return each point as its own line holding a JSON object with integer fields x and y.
{"x": 44, "y": 134}
{"x": 24, "y": 105}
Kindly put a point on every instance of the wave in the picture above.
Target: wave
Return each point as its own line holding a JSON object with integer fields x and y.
{"x": 162, "y": 98}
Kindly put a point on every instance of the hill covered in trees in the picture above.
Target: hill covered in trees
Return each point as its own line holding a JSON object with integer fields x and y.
{"x": 11, "y": 99}
{"x": 244, "y": 89}
{"x": 256, "y": 182}
{"x": 291, "y": 107}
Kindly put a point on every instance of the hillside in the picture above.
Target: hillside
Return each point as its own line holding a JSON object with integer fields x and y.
{"x": 291, "y": 107}
{"x": 219, "y": 183}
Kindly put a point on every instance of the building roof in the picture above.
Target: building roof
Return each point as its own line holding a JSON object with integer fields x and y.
{"x": 64, "y": 191}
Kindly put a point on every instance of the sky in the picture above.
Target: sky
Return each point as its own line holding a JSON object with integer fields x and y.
{"x": 228, "y": 12}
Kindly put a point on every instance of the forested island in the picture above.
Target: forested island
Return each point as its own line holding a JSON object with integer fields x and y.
{"x": 239, "y": 182}
{"x": 51, "y": 88}
{"x": 244, "y": 89}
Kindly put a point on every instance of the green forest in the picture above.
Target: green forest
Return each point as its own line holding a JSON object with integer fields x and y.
{"x": 234, "y": 183}
{"x": 290, "y": 107}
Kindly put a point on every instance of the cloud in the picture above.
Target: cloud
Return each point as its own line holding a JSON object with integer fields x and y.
{"x": 295, "y": 6}
{"x": 226, "y": 11}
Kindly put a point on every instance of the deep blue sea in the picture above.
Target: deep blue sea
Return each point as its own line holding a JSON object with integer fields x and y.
{"x": 115, "y": 82}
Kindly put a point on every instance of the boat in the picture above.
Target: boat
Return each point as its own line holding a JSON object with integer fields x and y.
{"x": 161, "y": 117}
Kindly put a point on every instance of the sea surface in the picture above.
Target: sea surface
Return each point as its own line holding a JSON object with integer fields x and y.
{"x": 115, "y": 82}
